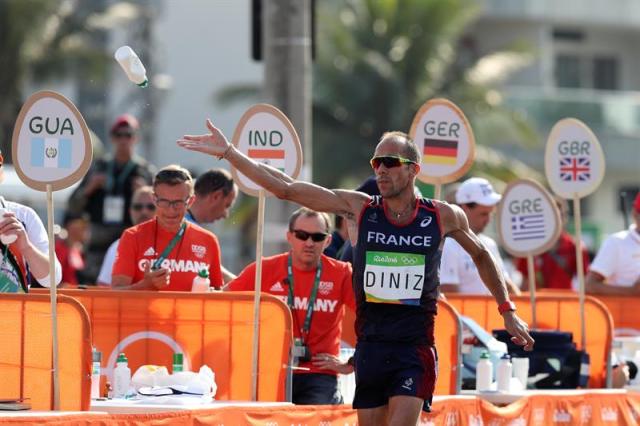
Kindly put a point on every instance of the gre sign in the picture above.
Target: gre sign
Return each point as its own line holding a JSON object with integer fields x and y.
{"x": 445, "y": 140}
{"x": 51, "y": 143}
{"x": 266, "y": 135}
{"x": 528, "y": 219}
{"x": 573, "y": 161}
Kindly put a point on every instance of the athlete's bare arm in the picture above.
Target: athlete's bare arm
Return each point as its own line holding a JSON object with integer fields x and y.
{"x": 343, "y": 202}
{"x": 456, "y": 226}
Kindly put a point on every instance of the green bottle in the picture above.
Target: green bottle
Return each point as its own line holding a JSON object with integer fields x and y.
{"x": 177, "y": 362}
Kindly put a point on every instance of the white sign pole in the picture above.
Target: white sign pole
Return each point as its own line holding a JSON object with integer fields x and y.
{"x": 256, "y": 295}
{"x": 54, "y": 304}
{"x": 532, "y": 289}
{"x": 265, "y": 135}
{"x": 580, "y": 267}
{"x": 437, "y": 191}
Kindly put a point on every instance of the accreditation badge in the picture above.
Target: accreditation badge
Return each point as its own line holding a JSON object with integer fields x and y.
{"x": 113, "y": 210}
{"x": 396, "y": 278}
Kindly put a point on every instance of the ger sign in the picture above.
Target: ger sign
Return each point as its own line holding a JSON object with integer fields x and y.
{"x": 573, "y": 161}
{"x": 51, "y": 143}
{"x": 528, "y": 219}
{"x": 445, "y": 140}
{"x": 266, "y": 135}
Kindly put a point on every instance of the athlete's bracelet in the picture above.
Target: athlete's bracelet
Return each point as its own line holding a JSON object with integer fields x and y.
{"x": 226, "y": 151}
{"x": 507, "y": 306}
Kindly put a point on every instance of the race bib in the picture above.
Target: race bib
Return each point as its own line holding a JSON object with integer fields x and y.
{"x": 113, "y": 211}
{"x": 396, "y": 278}
{"x": 9, "y": 281}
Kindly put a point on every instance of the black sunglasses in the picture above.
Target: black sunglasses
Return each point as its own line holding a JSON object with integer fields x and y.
{"x": 316, "y": 237}
{"x": 123, "y": 135}
{"x": 139, "y": 206}
{"x": 389, "y": 161}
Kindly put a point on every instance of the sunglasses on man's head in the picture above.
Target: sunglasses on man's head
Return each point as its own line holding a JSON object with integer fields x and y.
{"x": 139, "y": 206}
{"x": 304, "y": 235}
{"x": 389, "y": 161}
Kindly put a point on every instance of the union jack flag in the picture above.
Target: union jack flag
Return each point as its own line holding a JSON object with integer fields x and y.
{"x": 575, "y": 169}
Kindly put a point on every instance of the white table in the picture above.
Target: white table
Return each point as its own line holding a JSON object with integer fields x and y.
{"x": 133, "y": 406}
{"x": 501, "y": 398}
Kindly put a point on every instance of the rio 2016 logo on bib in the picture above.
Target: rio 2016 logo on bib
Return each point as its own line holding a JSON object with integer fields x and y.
{"x": 396, "y": 278}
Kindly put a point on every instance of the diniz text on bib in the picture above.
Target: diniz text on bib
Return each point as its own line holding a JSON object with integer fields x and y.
{"x": 396, "y": 278}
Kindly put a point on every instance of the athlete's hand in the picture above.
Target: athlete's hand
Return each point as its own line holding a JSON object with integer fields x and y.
{"x": 214, "y": 143}
{"x": 156, "y": 279}
{"x": 327, "y": 361}
{"x": 518, "y": 329}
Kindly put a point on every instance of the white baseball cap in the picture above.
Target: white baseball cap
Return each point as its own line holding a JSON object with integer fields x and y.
{"x": 477, "y": 190}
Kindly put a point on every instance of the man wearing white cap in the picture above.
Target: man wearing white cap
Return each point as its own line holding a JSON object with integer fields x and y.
{"x": 458, "y": 272}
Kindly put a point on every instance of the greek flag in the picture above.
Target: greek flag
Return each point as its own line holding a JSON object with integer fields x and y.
{"x": 51, "y": 153}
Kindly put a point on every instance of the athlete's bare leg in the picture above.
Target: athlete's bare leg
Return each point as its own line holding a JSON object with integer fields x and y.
{"x": 401, "y": 411}
{"x": 372, "y": 416}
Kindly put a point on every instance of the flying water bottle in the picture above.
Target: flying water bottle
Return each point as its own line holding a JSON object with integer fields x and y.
{"x": 132, "y": 65}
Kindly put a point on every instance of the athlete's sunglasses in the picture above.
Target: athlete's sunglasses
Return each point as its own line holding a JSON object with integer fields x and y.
{"x": 389, "y": 161}
{"x": 316, "y": 237}
{"x": 139, "y": 206}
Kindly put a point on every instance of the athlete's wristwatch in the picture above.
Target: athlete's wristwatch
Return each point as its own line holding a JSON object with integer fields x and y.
{"x": 506, "y": 307}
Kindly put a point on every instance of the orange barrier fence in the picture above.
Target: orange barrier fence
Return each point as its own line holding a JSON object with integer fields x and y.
{"x": 26, "y": 351}
{"x": 448, "y": 340}
{"x": 624, "y": 311}
{"x": 597, "y": 408}
{"x": 214, "y": 329}
{"x": 553, "y": 312}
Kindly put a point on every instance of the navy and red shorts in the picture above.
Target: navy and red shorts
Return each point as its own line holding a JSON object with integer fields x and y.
{"x": 384, "y": 370}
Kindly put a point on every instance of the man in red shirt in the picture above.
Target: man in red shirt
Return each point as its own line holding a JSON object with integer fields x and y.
{"x": 167, "y": 252}
{"x": 304, "y": 278}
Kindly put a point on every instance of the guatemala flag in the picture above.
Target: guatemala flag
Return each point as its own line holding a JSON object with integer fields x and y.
{"x": 51, "y": 153}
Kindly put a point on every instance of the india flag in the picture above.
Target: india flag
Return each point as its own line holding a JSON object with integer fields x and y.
{"x": 51, "y": 153}
{"x": 438, "y": 151}
{"x": 271, "y": 157}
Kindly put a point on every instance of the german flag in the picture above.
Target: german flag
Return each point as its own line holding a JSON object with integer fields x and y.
{"x": 438, "y": 151}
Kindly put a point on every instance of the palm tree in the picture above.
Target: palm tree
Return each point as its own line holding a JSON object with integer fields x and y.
{"x": 379, "y": 60}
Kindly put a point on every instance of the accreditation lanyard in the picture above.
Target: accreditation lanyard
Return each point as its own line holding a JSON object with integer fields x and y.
{"x": 122, "y": 176}
{"x": 312, "y": 298}
{"x": 170, "y": 246}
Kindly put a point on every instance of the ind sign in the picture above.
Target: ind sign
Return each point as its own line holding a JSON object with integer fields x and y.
{"x": 266, "y": 135}
{"x": 528, "y": 219}
{"x": 51, "y": 143}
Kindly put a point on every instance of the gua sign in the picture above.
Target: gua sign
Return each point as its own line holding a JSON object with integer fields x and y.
{"x": 574, "y": 161}
{"x": 445, "y": 140}
{"x": 266, "y": 135}
{"x": 529, "y": 221}
{"x": 51, "y": 143}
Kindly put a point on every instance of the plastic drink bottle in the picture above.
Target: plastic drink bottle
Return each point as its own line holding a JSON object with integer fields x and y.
{"x": 201, "y": 282}
{"x": 177, "y": 362}
{"x": 121, "y": 377}
{"x": 6, "y": 238}
{"x": 503, "y": 373}
{"x": 95, "y": 374}
{"x": 484, "y": 372}
{"x": 132, "y": 65}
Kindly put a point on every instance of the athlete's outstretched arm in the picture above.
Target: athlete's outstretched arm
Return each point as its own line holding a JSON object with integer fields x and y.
{"x": 348, "y": 203}
{"x": 456, "y": 226}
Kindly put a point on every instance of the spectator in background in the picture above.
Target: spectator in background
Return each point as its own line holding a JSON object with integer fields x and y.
{"x": 70, "y": 248}
{"x": 105, "y": 192}
{"x": 142, "y": 208}
{"x": 167, "y": 252}
{"x": 556, "y": 268}
{"x": 27, "y": 257}
{"x": 215, "y": 194}
{"x": 339, "y": 237}
{"x": 616, "y": 267}
{"x": 458, "y": 271}
{"x": 298, "y": 277}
